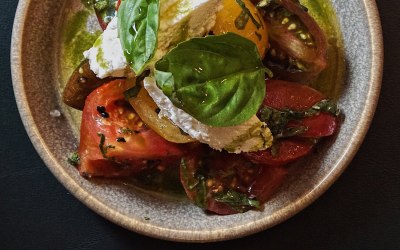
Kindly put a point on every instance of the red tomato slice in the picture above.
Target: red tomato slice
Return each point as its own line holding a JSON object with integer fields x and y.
{"x": 263, "y": 190}
{"x": 288, "y": 150}
{"x": 282, "y": 95}
{"x": 298, "y": 45}
{"x": 318, "y": 126}
{"x": 114, "y": 140}
{"x": 225, "y": 183}
{"x": 288, "y": 95}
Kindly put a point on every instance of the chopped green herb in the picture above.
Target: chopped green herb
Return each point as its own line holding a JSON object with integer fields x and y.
{"x": 196, "y": 183}
{"x": 327, "y": 106}
{"x": 246, "y": 11}
{"x": 241, "y": 20}
{"x": 100, "y": 5}
{"x": 278, "y": 119}
{"x": 104, "y": 148}
{"x": 73, "y": 159}
{"x": 125, "y": 131}
{"x": 238, "y": 201}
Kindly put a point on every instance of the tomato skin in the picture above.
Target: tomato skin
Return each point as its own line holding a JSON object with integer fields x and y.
{"x": 265, "y": 185}
{"x": 221, "y": 172}
{"x": 263, "y": 190}
{"x": 282, "y": 95}
{"x": 128, "y": 147}
{"x": 288, "y": 95}
{"x": 226, "y": 22}
{"x": 289, "y": 150}
{"x": 285, "y": 41}
{"x": 321, "y": 125}
{"x": 219, "y": 208}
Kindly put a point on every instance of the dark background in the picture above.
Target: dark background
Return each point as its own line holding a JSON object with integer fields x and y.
{"x": 360, "y": 211}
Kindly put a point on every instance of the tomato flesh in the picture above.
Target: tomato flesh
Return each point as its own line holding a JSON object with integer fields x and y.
{"x": 224, "y": 183}
{"x": 288, "y": 95}
{"x": 228, "y": 20}
{"x": 287, "y": 151}
{"x": 298, "y": 45}
{"x": 271, "y": 178}
{"x": 114, "y": 140}
{"x": 282, "y": 95}
{"x": 317, "y": 126}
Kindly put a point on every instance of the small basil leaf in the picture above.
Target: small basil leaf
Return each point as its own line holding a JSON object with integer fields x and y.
{"x": 138, "y": 22}
{"x": 196, "y": 184}
{"x": 104, "y": 148}
{"x": 219, "y": 80}
{"x": 327, "y": 106}
{"x": 238, "y": 201}
{"x": 278, "y": 119}
{"x": 74, "y": 159}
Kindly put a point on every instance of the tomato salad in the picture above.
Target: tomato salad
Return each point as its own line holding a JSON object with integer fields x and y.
{"x": 267, "y": 51}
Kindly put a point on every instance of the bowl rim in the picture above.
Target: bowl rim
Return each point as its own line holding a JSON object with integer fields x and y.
{"x": 125, "y": 221}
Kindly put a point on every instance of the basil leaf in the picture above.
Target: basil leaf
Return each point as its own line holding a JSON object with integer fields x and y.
{"x": 138, "y": 22}
{"x": 246, "y": 12}
{"x": 238, "y": 201}
{"x": 219, "y": 80}
{"x": 196, "y": 183}
{"x": 104, "y": 148}
{"x": 74, "y": 159}
{"x": 278, "y": 119}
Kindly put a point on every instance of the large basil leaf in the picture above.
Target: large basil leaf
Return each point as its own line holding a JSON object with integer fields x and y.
{"x": 219, "y": 80}
{"x": 138, "y": 22}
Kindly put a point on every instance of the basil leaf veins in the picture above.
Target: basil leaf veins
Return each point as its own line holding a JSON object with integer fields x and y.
{"x": 219, "y": 80}
{"x": 138, "y": 22}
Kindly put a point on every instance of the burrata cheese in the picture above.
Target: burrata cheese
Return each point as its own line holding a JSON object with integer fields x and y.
{"x": 250, "y": 136}
{"x": 180, "y": 20}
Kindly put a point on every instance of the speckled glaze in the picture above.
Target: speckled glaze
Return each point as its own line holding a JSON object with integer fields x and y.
{"x": 35, "y": 77}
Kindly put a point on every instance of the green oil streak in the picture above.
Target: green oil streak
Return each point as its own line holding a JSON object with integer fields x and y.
{"x": 87, "y": 3}
{"x": 76, "y": 39}
{"x": 331, "y": 80}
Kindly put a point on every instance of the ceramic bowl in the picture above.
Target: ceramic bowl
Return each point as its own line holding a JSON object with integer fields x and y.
{"x": 35, "y": 71}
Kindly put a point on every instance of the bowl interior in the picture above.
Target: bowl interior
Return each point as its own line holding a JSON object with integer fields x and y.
{"x": 36, "y": 77}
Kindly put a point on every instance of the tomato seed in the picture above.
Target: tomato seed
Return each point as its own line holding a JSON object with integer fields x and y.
{"x": 121, "y": 139}
{"x": 102, "y": 111}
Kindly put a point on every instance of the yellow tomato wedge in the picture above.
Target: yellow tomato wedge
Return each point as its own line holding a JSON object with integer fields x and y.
{"x": 146, "y": 108}
{"x": 233, "y": 17}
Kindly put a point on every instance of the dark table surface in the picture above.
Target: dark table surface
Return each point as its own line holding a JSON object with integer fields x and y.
{"x": 360, "y": 211}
